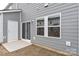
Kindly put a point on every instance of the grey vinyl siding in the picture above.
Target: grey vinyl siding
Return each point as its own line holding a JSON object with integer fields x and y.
{"x": 69, "y": 23}
{"x": 10, "y": 16}
{"x": 78, "y": 30}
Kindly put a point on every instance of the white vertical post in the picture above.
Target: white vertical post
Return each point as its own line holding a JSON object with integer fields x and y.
{"x": 20, "y": 27}
{"x": 46, "y": 26}
{"x": 1, "y": 28}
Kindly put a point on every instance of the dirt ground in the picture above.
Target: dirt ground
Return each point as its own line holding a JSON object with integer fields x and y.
{"x": 31, "y": 50}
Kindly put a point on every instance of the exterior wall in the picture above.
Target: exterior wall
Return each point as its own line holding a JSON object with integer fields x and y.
{"x": 78, "y": 30}
{"x": 10, "y": 16}
{"x": 69, "y": 18}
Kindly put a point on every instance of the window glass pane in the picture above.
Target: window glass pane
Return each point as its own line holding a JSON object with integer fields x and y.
{"x": 53, "y": 21}
{"x": 54, "y": 31}
{"x": 40, "y": 31}
{"x": 40, "y": 22}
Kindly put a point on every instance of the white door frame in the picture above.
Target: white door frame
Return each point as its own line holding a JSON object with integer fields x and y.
{"x": 21, "y": 31}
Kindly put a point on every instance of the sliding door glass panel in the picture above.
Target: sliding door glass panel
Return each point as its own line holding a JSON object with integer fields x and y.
{"x": 23, "y": 30}
{"x": 26, "y": 30}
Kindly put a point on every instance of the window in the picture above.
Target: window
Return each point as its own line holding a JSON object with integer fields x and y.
{"x": 49, "y": 26}
{"x": 54, "y": 26}
{"x": 40, "y": 26}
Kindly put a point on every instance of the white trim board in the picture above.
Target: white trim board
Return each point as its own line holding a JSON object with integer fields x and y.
{"x": 6, "y": 11}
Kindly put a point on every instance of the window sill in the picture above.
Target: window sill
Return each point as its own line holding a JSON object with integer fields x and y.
{"x": 48, "y": 37}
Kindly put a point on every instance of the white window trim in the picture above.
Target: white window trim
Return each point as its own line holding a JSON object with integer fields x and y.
{"x": 56, "y": 14}
{"x": 46, "y": 25}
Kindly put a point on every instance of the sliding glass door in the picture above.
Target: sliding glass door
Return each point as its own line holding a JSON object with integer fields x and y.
{"x": 26, "y": 30}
